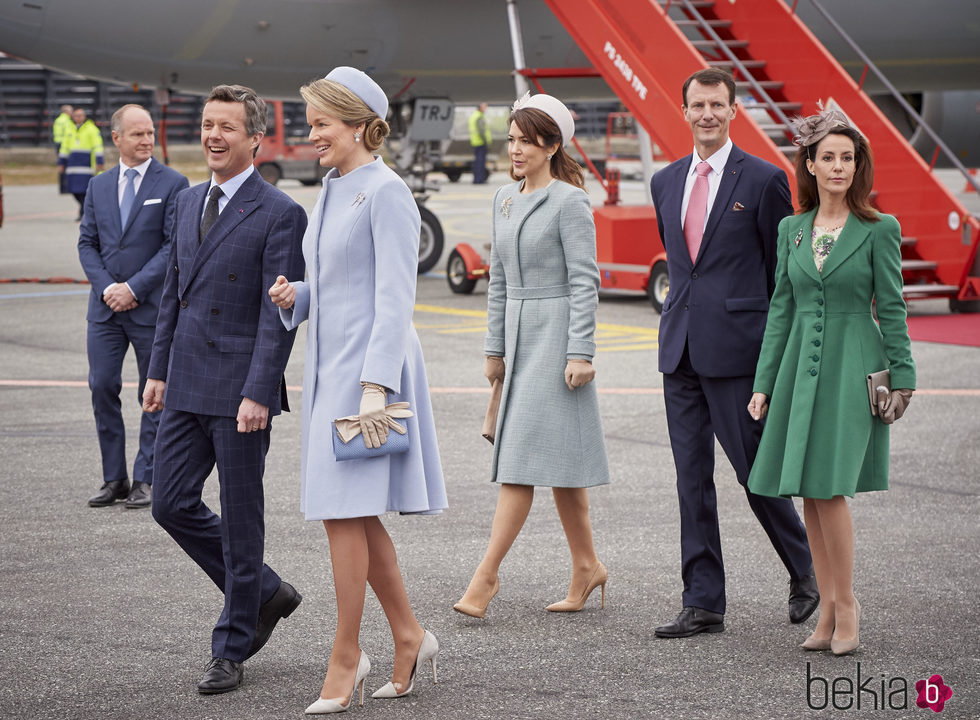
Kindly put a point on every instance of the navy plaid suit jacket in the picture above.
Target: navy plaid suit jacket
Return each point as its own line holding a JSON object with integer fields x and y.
{"x": 219, "y": 337}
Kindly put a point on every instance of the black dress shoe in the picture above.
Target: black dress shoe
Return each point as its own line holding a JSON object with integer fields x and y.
{"x": 803, "y": 598}
{"x": 139, "y": 496}
{"x": 109, "y": 493}
{"x": 692, "y": 621}
{"x": 280, "y": 605}
{"x": 221, "y": 676}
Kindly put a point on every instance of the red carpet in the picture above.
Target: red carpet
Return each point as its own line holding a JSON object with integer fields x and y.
{"x": 954, "y": 329}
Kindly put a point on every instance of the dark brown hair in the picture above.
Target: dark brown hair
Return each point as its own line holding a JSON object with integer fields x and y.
{"x": 711, "y": 76}
{"x": 858, "y": 196}
{"x": 538, "y": 124}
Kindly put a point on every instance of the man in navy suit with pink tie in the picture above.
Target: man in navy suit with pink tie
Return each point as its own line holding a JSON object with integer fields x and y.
{"x": 123, "y": 246}
{"x": 718, "y": 211}
{"x": 217, "y": 373}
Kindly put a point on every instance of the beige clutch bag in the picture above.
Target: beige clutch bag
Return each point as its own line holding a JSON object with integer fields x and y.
{"x": 882, "y": 378}
{"x": 490, "y": 421}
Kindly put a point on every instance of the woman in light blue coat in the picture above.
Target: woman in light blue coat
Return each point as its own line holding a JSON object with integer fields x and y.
{"x": 541, "y": 307}
{"x": 361, "y": 250}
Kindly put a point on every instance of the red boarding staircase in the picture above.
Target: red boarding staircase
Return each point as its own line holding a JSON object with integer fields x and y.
{"x": 646, "y": 49}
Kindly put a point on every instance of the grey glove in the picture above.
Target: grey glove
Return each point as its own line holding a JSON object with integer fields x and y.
{"x": 374, "y": 421}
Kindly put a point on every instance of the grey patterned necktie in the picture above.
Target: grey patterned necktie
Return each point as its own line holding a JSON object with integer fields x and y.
{"x": 210, "y": 212}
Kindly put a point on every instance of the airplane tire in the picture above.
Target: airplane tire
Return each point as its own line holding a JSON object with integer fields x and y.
{"x": 431, "y": 240}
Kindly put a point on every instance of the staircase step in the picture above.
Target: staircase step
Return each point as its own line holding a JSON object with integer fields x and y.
{"x": 919, "y": 265}
{"x": 909, "y": 241}
{"x": 711, "y": 44}
{"x": 700, "y": 4}
{"x": 730, "y": 65}
{"x": 930, "y": 289}
{"x": 764, "y": 84}
{"x": 787, "y": 149}
{"x": 791, "y": 106}
{"x": 698, "y": 23}
{"x": 772, "y": 127}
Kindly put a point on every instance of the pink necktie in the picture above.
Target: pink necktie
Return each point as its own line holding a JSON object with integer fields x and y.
{"x": 697, "y": 206}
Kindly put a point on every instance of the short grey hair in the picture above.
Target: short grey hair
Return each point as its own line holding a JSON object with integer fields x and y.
{"x": 117, "y": 117}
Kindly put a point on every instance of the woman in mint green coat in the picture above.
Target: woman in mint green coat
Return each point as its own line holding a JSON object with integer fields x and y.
{"x": 836, "y": 259}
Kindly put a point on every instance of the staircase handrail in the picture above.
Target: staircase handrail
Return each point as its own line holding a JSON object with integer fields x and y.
{"x": 888, "y": 85}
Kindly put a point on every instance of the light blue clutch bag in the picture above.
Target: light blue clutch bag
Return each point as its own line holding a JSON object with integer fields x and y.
{"x": 356, "y": 450}
{"x": 353, "y": 448}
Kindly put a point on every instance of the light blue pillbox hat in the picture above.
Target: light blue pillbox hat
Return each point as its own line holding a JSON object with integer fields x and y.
{"x": 363, "y": 86}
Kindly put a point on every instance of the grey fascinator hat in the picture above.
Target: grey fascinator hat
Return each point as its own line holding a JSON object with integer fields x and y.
{"x": 812, "y": 129}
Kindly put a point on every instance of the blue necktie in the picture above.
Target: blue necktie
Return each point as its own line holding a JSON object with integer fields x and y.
{"x": 129, "y": 195}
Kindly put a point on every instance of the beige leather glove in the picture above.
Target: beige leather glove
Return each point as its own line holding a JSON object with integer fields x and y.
{"x": 891, "y": 406}
{"x": 578, "y": 373}
{"x": 374, "y": 421}
{"x": 493, "y": 369}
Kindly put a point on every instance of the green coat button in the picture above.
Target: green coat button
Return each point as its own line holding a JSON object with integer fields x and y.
{"x": 819, "y": 313}
{"x": 819, "y": 301}
{"x": 817, "y": 343}
{"x": 818, "y": 327}
{"x": 815, "y": 357}
{"x": 813, "y": 371}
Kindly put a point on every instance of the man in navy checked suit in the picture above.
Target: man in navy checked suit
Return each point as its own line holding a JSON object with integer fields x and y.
{"x": 125, "y": 260}
{"x": 711, "y": 333}
{"x": 217, "y": 372}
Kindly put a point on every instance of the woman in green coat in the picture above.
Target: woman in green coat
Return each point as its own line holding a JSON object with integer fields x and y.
{"x": 836, "y": 259}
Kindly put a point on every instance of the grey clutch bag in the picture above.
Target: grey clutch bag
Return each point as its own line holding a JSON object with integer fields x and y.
{"x": 882, "y": 378}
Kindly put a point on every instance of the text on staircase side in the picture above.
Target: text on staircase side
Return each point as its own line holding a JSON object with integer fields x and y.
{"x": 626, "y": 70}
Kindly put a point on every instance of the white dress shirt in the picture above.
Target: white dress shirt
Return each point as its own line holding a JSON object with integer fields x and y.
{"x": 137, "y": 181}
{"x": 717, "y": 161}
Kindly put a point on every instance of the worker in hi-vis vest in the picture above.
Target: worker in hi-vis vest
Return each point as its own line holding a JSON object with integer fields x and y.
{"x": 81, "y": 156}
{"x": 61, "y": 126}
{"x": 480, "y": 141}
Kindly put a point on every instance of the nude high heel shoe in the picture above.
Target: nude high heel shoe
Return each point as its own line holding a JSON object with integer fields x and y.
{"x": 325, "y": 706}
{"x": 599, "y": 577}
{"x": 428, "y": 651}
{"x": 816, "y": 642}
{"x": 475, "y": 610}
{"x": 846, "y": 647}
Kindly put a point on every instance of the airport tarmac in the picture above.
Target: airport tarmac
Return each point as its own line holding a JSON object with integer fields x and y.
{"x": 102, "y": 616}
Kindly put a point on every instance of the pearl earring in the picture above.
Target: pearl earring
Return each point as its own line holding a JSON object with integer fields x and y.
{"x": 357, "y": 137}
{"x": 549, "y": 156}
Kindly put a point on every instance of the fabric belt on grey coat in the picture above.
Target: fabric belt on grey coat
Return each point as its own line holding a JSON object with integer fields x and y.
{"x": 536, "y": 293}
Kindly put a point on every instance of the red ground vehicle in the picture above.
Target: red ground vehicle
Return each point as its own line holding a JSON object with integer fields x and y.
{"x": 283, "y": 154}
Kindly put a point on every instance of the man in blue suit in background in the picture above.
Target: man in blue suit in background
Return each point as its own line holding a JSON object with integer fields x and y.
{"x": 123, "y": 246}
{"x": 718, "y": 211}
{"x": 217, "y": 366}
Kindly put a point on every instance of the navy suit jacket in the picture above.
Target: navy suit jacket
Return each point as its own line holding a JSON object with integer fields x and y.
{"x": 717, "y": 305}
{"x": 137, "y": 253}
{"x": 219, "y": 337}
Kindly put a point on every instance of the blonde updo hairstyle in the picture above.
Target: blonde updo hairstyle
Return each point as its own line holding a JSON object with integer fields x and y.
{"x": 335, "y": 99}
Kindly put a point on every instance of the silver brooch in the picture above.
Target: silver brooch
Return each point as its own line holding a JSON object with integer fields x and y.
{"x": 505, "y": 206}
{"x": 799, "y": 238}
{"x": 358, "y": 199}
